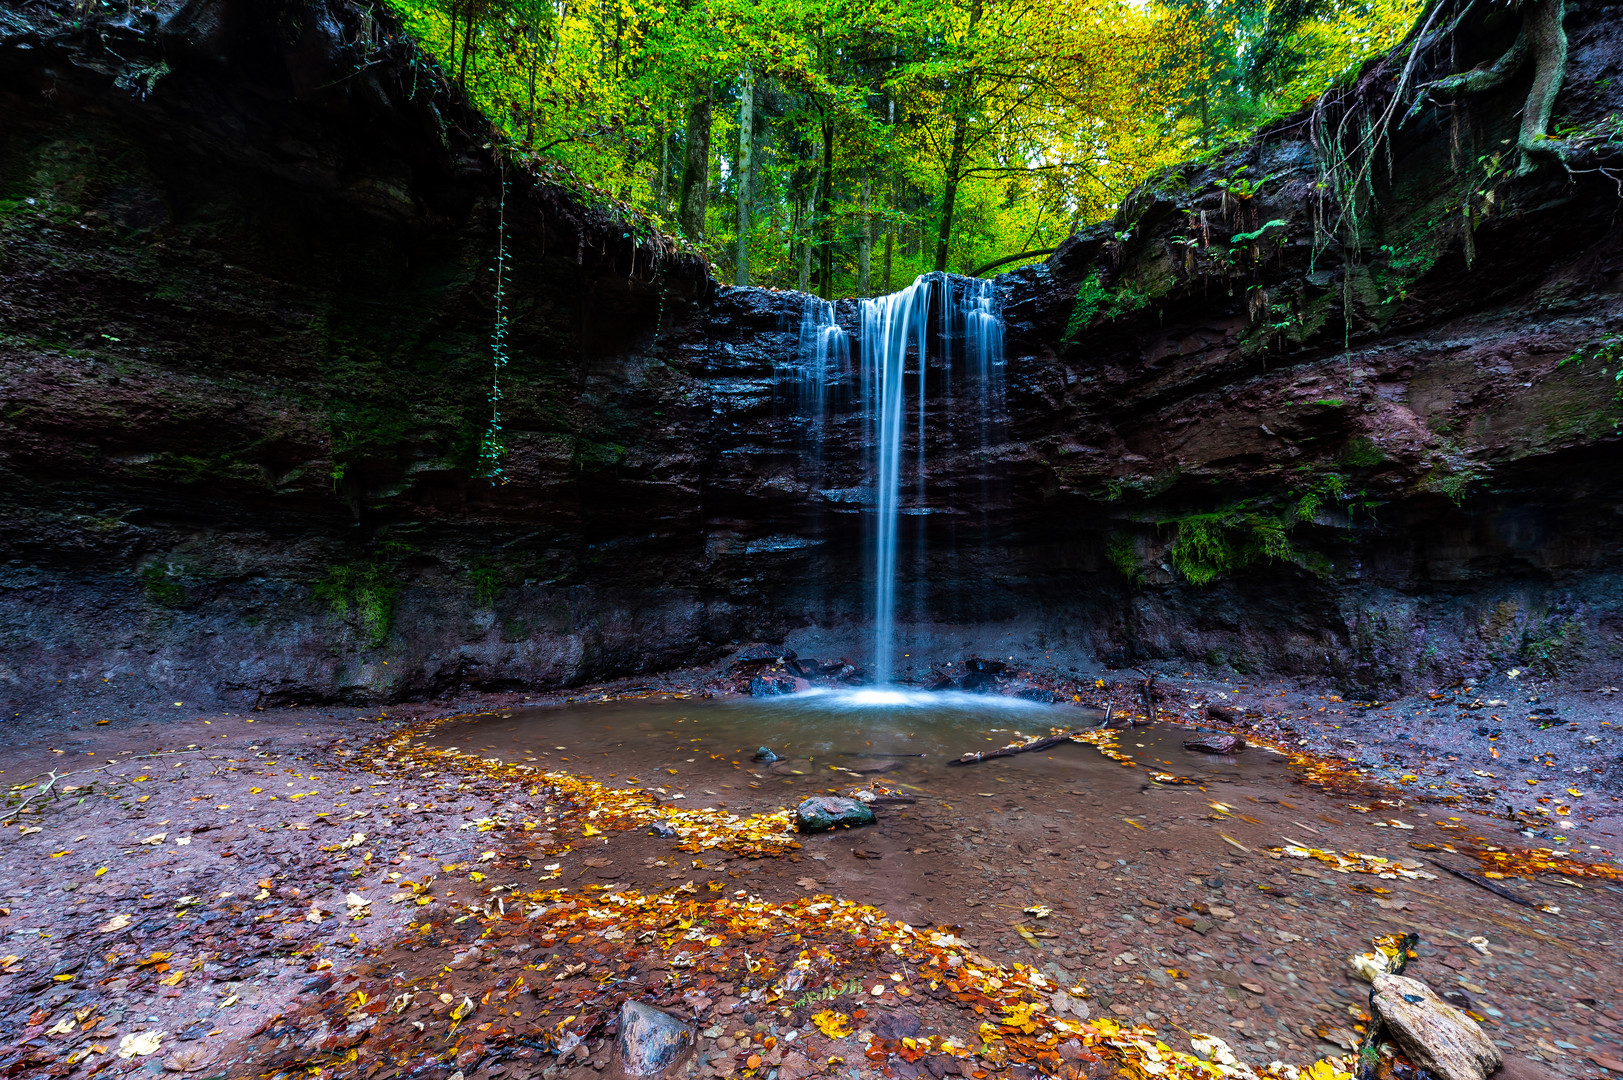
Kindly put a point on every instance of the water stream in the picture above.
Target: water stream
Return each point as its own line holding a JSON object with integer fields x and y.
{"x": 891, "y": 331}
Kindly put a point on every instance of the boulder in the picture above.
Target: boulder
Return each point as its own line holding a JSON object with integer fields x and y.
{"x": 978, "y": 666}
{"x": 977, "y": 681}
{"x": 765, "y": 754}
{"x": 652, "y": 1042}
{"x": 776, "y": 684}
{"x": 1432, "y": 1033}
{"x": 936, "y": 680}
{"x": 1215, "y": 743}
{"x": 823, "y": 812}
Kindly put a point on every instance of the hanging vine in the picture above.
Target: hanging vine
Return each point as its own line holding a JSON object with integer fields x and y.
{"x": 493, "y": 446}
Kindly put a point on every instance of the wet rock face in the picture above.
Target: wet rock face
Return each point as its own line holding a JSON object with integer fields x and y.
{"x": 244, "y": 345}
{"x": 651, "y": 1042}
{"x": 821, "y": 813}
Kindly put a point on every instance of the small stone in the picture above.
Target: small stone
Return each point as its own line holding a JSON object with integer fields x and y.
{"x": 823, "y": 812}
{"x": 651, "y": 1040}
{"x": 765, "y": 754}
{"x": 1215, "y": 744}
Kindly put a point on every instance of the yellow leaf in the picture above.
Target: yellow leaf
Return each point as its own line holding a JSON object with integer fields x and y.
{"x": 117, "y": 922}
{"x": 835, "y": 1025}
{"x": 100, "y": 872}
{"x": 463, "y": 1009}
{"x": 140, "y": 1044}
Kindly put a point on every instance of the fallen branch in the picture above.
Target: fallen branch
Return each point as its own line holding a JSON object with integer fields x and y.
{"x": 49, "y": 787}
{"x": 1477, "y": 879}
{"x": 1147, "y": 692}
{"x": 1014, "y": 748}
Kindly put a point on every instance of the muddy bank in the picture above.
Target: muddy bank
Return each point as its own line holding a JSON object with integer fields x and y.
{"x": 277, "y": 884}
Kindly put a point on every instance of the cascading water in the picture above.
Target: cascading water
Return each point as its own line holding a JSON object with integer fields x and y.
{"x": 887, "y": 325}
{"x": 889, "y": 329}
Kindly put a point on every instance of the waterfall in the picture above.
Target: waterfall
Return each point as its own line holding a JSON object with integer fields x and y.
{"x": 822, "y": 356}
{"x": 889, "y": 328}
{"x": 887, "y": 325}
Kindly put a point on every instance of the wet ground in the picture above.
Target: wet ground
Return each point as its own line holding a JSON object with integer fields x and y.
{"x": 1164, "y": 900}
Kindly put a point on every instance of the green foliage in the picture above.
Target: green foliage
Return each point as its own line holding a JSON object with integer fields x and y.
{"x": 159, "y": 581}
{"x": 1362, "y": 453}
{"x": 1093, "y": 301}
{"x": 595, "y": 456}
{"x": 997, "y": 127}
{"x": 1210, "y": 545}
{"x": 1606, "y": 350}
{"x": 493, "y": 444}
{"x": 1203, "y": 549}
{"x": 487, "y": 583}
{"x": 1248, "y": 237}
{"x": 1122, "y": 551}
{"x": 1452, "y": 478}
{"x": 1328, "y": 488}
{"x": 369, "y": 587}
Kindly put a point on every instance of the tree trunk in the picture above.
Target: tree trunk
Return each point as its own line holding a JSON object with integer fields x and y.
{"x": 806, "y": 237}
{"x": 949, "y": 196}
{"x": 746, "y": 177}
{"x": 890, "y": 242}
{"x": 662, "y": 189}
{"x": 467, "y": 46}
{"x": 825, "y": 214}
{"x": 865, "y": 240}
{"x": 454, "y": 9}
{"x": 696, "y": 168}
{"x": 1541, "y": 23}
{"x": 535, "y": 63}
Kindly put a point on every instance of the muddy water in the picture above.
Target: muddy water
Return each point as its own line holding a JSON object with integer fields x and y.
{"x": 1030, "y": 820}
{"x": 705, "y": 750}
{"x": 1165, "y": 899}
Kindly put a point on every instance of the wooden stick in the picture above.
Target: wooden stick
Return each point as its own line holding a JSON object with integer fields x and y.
{"x": 1014, "y": 748}
{"x": 1474, "y": 879}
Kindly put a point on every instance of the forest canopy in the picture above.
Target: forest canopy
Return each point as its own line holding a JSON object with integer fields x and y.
{"x": 845, "y": 146}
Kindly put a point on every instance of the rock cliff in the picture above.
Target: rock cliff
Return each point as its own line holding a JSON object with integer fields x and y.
{"x": 246, "y": 296}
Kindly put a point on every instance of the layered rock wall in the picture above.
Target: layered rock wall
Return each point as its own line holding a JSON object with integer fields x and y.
{"x": 246, "y": 295}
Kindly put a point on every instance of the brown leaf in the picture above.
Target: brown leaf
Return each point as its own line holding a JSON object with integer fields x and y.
{"x": 807, "y": 883}
{"x": 187, "y": 1059}
{"x": 598, "y": 860}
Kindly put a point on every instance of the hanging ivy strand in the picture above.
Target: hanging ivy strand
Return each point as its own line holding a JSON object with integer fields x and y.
{"x": 493, "y": 446}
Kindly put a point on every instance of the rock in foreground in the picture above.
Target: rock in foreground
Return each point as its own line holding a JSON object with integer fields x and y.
{"x": 1434, "y": 1034}
{"x": 1215, "y": 744}
{"x": 651, "y": 1042}
{"x": 776, "y": 685}
{"x": 823, "y": 812}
